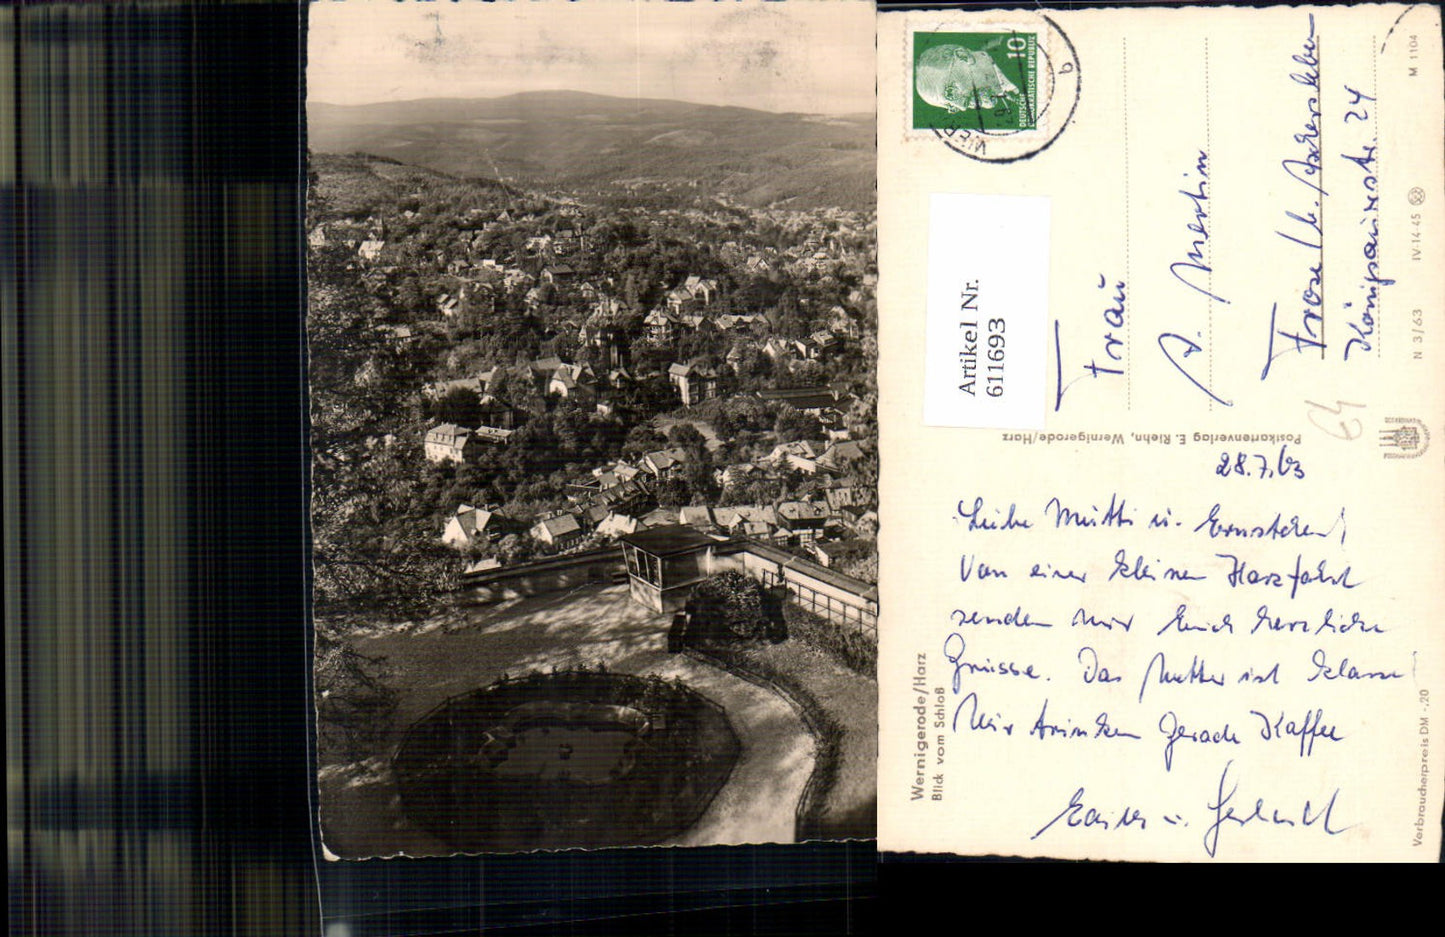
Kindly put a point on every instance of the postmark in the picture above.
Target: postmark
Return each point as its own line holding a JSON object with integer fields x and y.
{"x": 991, "y": 89}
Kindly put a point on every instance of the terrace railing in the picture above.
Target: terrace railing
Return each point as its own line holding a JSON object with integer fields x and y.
{"x": 825, "y": 605}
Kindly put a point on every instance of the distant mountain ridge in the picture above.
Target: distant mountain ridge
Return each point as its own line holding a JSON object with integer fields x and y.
{"x": 579, "y": 141}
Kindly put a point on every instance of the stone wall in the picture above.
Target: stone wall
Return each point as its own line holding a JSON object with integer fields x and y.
{"x": 549, "y": 575}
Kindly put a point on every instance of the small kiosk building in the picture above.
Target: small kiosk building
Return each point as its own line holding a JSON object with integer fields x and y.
{"x": 664, "y": 563}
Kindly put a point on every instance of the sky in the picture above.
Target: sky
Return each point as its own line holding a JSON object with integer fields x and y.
{"x": 811, "y": 56}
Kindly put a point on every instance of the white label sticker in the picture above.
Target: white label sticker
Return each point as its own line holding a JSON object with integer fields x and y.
{"x": 988, "y": 278}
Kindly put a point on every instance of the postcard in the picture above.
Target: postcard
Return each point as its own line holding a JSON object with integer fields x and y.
{"x": 1160, "y": 418}
{"x": 592, "y": 334}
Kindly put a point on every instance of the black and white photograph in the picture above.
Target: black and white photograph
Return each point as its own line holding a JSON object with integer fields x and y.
{"x": 592, "y": 339}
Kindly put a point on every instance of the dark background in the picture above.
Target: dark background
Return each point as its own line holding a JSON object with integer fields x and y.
{"x": 156, "y": 528}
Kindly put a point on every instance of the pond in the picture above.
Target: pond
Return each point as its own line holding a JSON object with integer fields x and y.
{"x": 583, "y": 754}
{"x": 566, "y": 759}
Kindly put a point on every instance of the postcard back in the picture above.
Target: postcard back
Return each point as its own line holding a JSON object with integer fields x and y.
{"x": 1161, "y": 421}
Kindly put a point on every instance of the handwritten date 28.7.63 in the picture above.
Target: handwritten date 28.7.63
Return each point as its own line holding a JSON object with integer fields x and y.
{"x": 1259, "y": 465}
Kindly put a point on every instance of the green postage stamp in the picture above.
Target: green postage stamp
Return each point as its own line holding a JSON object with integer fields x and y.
{"x": 975, "y": 81}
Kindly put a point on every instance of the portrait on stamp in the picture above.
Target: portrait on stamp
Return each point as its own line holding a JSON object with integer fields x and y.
{"x": 982, "y": 80}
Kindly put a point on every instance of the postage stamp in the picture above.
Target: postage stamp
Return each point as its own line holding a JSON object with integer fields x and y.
{"x": 982, "y": 80}
{"x": 994, "y": 87}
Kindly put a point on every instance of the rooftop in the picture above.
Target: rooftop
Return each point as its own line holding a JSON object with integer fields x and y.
{"x": 803, "y": 398}
{"x": 669, "y": 540}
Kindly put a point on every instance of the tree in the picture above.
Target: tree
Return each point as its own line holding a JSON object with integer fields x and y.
{"x": 540, "y": 448}
{"x": 573, "y": 429}
{"x": 754, "y": 367}
{"x": 353, "y": 698}
{"x": 673, "y": 493}
{"x": 701, "y": 482}
{"x": 687, "y": 436}
{"x": 408, "y": 296}
{"x": 741, "y": 414}
{"x": 806, "y": 373}
{"x": 861, "y": 420}
{"x": 459, "y": 405}
{"x": 514, "y": 548}
{"x": 651, "y": 396}
{"x": 648, "y": 356}
{"x": 517, "y": 387}
{"x": 788, "y": 318}
{"x": 756, "y": 294}
{"x": 642, "y": 439}
{"x": 793, "y": 424}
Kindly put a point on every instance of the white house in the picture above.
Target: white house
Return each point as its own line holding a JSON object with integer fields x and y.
{"x": 694, "y": 383}
{"x": 664, "y": 462}
{"x": 476, "y": 525}
{"x": 447, "y": 442}
{"x": 561, "y": 531}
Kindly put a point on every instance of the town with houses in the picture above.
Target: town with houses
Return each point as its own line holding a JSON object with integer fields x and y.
{"x": 503, "y": 375}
